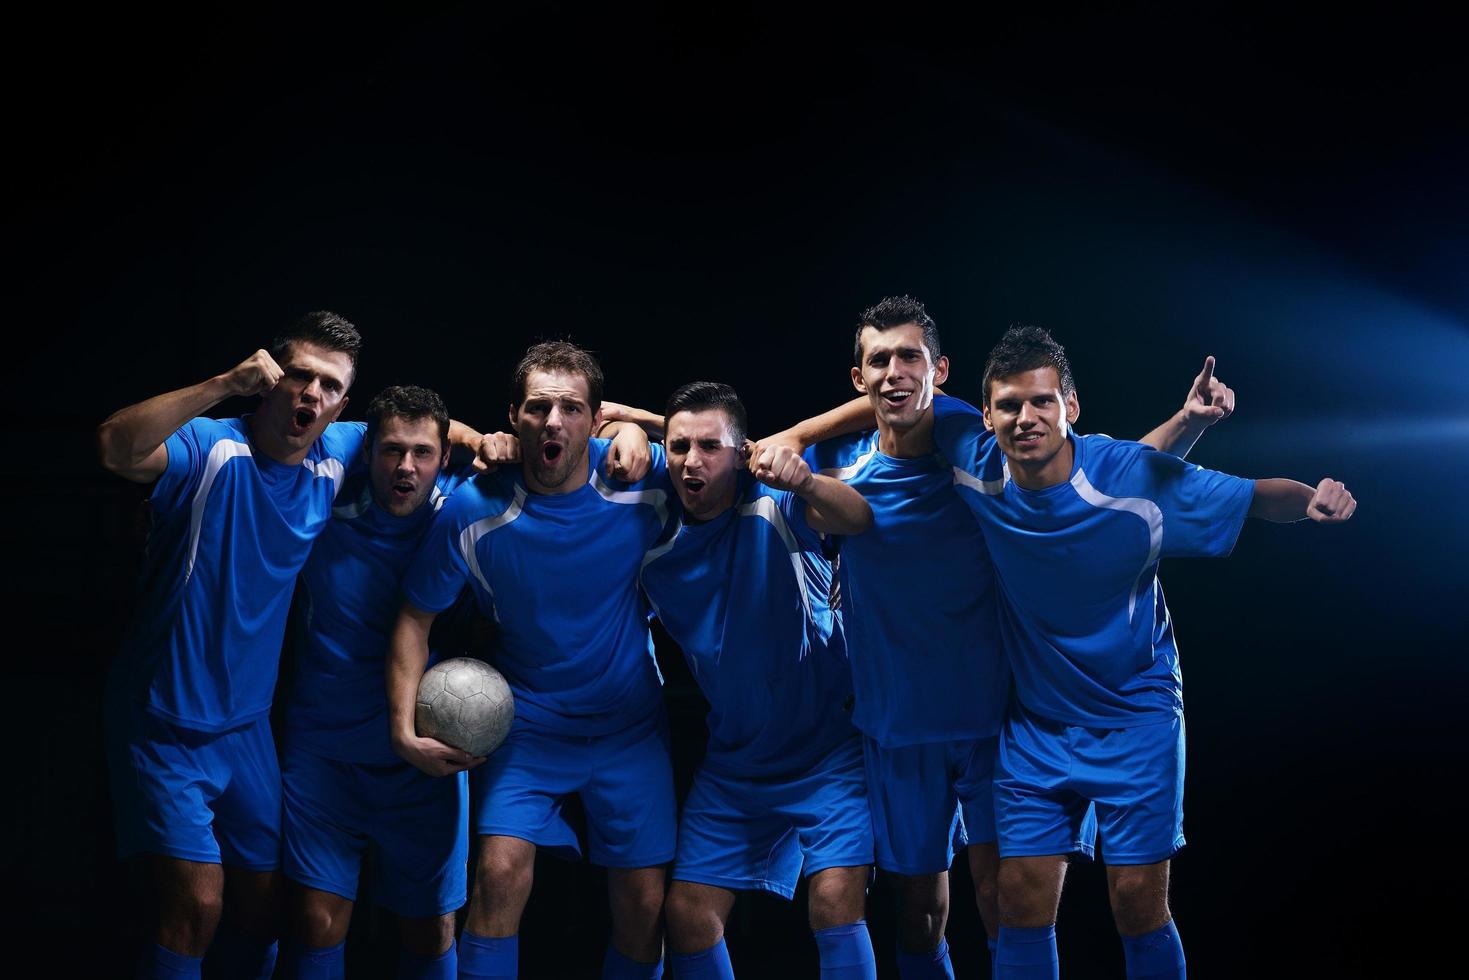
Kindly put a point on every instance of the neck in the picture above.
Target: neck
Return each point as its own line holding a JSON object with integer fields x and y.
{"x": 908, "y": 443}
{"x": 574, "y": 480}
{"x": 271, "y": 446}
{"x": 1053, "y": 472}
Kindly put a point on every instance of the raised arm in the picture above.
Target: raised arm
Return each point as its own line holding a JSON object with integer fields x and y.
{"x": 130, "y": 442}
{"x": 832, "y": 507}
{"x": 407, "y": 658}
{"x": 853, "y": 416}
{"x": 1285, "y": 501}
{"x": 1209, "y": 400}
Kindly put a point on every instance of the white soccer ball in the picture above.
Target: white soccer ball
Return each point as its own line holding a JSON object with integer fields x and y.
{"x": 464, "y": 703}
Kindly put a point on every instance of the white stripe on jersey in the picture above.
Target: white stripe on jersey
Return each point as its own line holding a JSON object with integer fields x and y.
{"x": 332, "y": 469}
{"x": 766, "y": 507}
{"x": 845, "y": 473}
{"x": 990, "y": 488}
{"x": 470, "y": 536}
{"x": 1140, "y": 506}
{"x": 219, "y": 454}
{"x": 657, "y": 499}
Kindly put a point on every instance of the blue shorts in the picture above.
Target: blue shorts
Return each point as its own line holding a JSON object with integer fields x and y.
{"x": 929, "y": 801}
{"x": 625, "y": 781}
{"x": 418, "y": 824}
{"x": 1049, "y": 773}
{"x": 742, "y": 832}
{"x": 212, "y": 797}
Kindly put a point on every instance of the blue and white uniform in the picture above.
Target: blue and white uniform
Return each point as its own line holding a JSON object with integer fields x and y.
{"x": 922, "y": 630}
{"x": 780, "y": 792}
{"x": 194, "y": 767}
{"x": 1100, "y": 715}
{"x": 344, "y": 786}
{"x": 559, "y": 574}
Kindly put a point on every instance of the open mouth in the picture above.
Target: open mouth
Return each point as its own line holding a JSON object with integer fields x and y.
{"x": 693, "y": 485}
{"x": 1028, "y": 439}
{"x": 403, "y": 490}
{"x": 550, "y": 452}
{"x": 302, "y": 419}
{"x": 897, "y": 399}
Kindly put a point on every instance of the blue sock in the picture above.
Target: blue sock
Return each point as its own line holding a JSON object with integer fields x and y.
{"x": 412, "y": 966}
{"x": 926, "y": 966}
{"x": 236, "y": 956}
{"x": 846, "y": 952}
{"x": 993, "y": 944}
{"x": 615, "y": 966}
{"x": 712, "y": 964}
{"x": 1156, "y": 955}
{"x": 315, "y": 962}
{"x": 1027, "y": 954}
{"x": 161, "y": 963}
{"x": 486, "y": 958}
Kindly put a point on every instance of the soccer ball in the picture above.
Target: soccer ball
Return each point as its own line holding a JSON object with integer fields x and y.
{"x": 464, "y": 703}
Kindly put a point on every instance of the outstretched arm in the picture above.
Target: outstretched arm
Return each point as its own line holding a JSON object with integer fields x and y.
{"x": 1209, "y": 400}
{"x": 832, "y": 507}
{"x": 130, "y": 442}
{"x": 1285, "y": 501}
{"x": 853, "y": 416}
{"x": 407, "y": 658}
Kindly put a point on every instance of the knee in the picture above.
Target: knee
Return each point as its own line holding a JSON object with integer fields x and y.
{"x": 834, "y": 904}
{"x": 501, "y": 875}
{"x": 693, "y": 926}
{"x": 987, "y": 894}
{"x": 189, "y": 919}
{"x": 428, "y": 937}
{"x": 1023, "y": 899}
{"x": 317, "y": 926}
{"x": 1139, "y": 905}
{"x": 921, "y": 924}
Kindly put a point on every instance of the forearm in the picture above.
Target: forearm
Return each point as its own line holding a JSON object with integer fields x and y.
{"x": 1280, "y": 501}
{"x": 131, "y": 435}
{"x": 407, "y": 659}
{"x": 615, "y": 412}
{"x": 853, "y": 416}
{"x": 464, "y": 435}
{"x": 832, "y": 507}
{"x": 1177, "y": 435}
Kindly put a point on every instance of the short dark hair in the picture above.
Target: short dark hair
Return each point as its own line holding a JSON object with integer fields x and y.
{"x": 323, "y": 329}
{"x": 558, "y": 355}
{"x": 894, "y": 311}
{"x": 409, "y": 403}
{"x": 1026, "y": 348}
{"x": 701, "y": 396}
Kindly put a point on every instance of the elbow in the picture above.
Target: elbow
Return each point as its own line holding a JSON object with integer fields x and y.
{"x": 110, "y": 453}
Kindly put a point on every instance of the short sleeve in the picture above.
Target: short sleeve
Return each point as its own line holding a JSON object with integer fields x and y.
{"x": 188, "y": 448}
{"x": 959, "y": 433}
{"x": 1203, "y": 510}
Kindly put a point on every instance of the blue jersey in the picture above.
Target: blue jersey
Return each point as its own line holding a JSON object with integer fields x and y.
{"x": 559, "y": 574}
{"x": 918, "y": 601}
{"x": 231, "y": 528}
{"x": 746, "y": 596}
{"x": 1085, "y": 622}
{"x": 338, "y": 706}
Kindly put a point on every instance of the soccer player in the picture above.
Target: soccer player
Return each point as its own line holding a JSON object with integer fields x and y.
{"x": 235, "y": 506}
{"x": 1076, "y": 527}
{"x": 743, "y": 588}
{"x": 344, "y": 787}
{"x": 922, "y": 626}
{"x": 551, "y": 550}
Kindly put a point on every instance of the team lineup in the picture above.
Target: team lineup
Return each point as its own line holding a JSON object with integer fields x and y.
{"x": 923, "y": 628}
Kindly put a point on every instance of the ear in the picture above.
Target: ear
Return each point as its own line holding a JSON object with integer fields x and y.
{"x": 857, "y": 380}
{"x": 989, "y": 423}
{"x": 515, "y": 417}
{"x": 338, "y": 413}
{"x": 941, "y": 370}
{"x": 597, "y": 420}
{"x": 1073, "y": 409}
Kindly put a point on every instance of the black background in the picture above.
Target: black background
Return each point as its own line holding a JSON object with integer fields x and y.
{"x": 717, "y": 194}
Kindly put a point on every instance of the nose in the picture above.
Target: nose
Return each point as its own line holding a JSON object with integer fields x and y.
{"x": 1028, "y": 416}
{"x": 312, "y": 391}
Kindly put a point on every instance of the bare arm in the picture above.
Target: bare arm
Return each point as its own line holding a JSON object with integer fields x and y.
{"x": 832, "y": 507}
{"x": 407, "y": 658}
{"x": 1209, "y": 400}
{"x": 650, "y": 423}
{"x": 130, "y": 442}
{"x": 853, "y": 416}
{"x": 1285, "y": 501}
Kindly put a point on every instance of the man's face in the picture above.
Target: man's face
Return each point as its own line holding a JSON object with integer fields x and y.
{"x": 898, "y": 374}
{"x": 310, "y": 394}
{"x": 554, "y": 423}
{"x": 406, "y": 459}
{"x": 703, "y": 460}
{"x": 1030, "y": 417}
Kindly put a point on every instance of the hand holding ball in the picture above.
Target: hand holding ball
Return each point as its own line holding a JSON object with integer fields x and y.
{"x": 464, "y": 703}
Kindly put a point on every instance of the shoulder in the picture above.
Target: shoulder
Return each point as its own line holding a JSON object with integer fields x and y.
{"x": 843, "y": 456}
{"x": 484, "y": 495}
{"x": 343, "y": 440}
